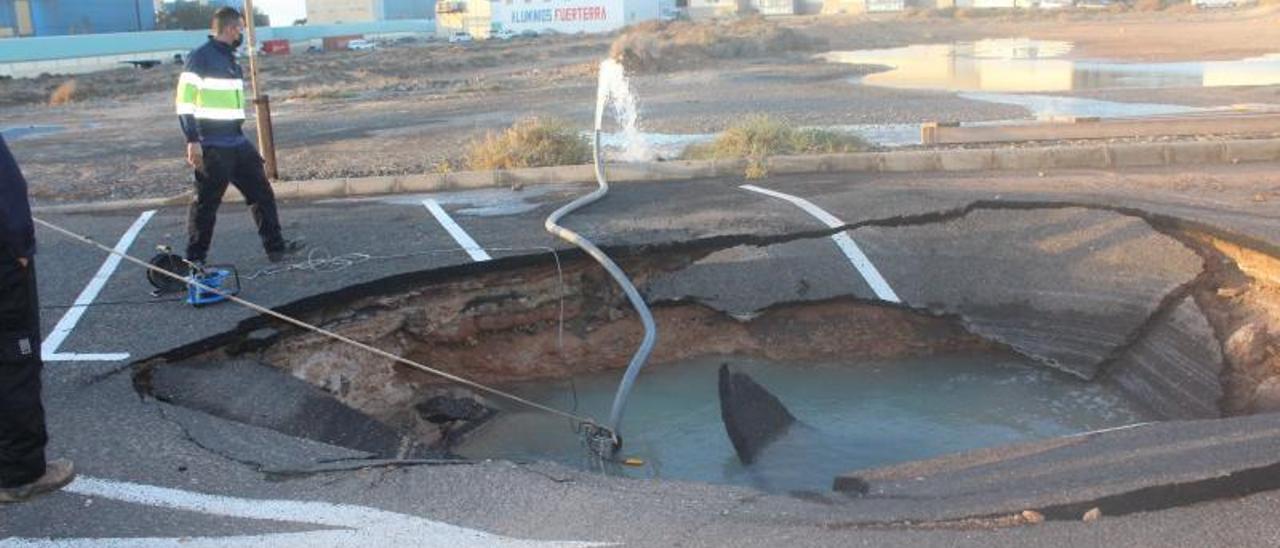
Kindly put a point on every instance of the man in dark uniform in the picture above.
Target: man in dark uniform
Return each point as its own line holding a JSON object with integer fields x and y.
{"x": 23, "y": 470}
{"x": 210, "y": 103}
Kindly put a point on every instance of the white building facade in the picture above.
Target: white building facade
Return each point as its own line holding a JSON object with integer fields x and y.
{"x": 482, "y": 18}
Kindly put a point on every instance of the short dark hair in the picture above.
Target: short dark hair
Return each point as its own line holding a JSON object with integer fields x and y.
{"x": 225, "y": 16}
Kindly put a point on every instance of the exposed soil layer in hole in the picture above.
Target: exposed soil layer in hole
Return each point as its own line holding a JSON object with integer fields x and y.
{"x": 542, "y": 322}
{"x": 1241, "y": 300}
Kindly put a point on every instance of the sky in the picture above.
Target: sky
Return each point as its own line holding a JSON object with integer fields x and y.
{"x": 282, "y": 12}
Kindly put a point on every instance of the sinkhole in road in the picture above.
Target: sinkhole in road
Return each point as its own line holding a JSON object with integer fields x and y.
{"x": 868, "y": 383}
{"x": 872, "y": 383}
{"x": 855, "y": 413}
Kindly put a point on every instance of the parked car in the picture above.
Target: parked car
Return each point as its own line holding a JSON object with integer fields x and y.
{"x": 1214, "y": 4}
{"x": 459, "y": 37}
{"x": 529, "y": 34}
{"x": 361, "y": 45}
{"x": 1056, "y": 4}
{"x": 504, "y": 34}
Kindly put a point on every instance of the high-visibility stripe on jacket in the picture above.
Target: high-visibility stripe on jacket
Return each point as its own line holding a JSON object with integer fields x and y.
{"x": 210, "y": 99}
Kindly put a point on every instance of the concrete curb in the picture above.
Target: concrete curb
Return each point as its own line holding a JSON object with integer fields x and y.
{"x": 1101, "y": 156}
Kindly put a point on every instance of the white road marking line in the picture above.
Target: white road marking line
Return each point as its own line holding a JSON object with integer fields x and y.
{"x": 74, "y": 357}
{"x": 346, "y": 525}
{"x": 49, "y": 349}
{"x": 846, "y": 244}
{"x": 473, "y": 249}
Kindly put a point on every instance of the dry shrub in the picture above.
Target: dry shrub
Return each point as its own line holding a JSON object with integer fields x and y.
{"x": 531, "y": 142}
{"x": 656, "y": 46}
{"x": 759, "y": 136}
{"x": 321, "y": 93}
{"x": 66, "y": 92}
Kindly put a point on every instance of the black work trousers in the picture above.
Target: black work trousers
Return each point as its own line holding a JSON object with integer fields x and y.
{"x": 240, "y": 166}
{"x": 22, "y": 431}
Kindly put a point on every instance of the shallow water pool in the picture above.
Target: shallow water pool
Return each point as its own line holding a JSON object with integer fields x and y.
{"x": 855, "y": 415}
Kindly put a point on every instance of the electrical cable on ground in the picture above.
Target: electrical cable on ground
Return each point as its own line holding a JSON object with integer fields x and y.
{"x": 586, "y": 424}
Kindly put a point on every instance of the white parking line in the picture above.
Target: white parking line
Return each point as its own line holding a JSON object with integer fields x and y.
{"x": 473, "y": 249}
{"x": 846, "y": 244}
{"x": 49, "y": 349}
{"x": 339, "y": 524}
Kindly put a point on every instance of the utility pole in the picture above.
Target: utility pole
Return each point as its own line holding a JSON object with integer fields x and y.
{"x": 261, "y": 103}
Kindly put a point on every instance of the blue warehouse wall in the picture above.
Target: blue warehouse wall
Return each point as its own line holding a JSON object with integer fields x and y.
{"x": 8, "y": 19}
{"x": 64, "y": 17}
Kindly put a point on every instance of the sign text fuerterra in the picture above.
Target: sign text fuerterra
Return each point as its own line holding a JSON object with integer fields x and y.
{"x": 548, "y": 15}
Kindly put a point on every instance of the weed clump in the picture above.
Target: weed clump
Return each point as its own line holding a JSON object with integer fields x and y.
{"x": 531, "y": 142}
{"x": 320, "y": 93}
{"x": 759, "y": 136}
{"x": 66, "y": 92}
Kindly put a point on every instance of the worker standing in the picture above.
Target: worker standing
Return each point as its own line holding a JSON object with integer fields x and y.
{"x": 210, "y": 104}
{"x": 24, "y": 472}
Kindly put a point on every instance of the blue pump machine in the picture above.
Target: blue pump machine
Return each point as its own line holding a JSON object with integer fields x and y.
{"x": 224, "y": 278}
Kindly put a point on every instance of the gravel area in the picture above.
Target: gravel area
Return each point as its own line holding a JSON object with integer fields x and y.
{"x": 408, "y": 107}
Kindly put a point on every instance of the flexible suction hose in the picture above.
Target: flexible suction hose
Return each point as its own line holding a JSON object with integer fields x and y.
{"x": 650, "y": 329}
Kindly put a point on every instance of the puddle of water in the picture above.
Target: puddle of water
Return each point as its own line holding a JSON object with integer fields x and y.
{"x": 15, "y": 133}
{"x": 669, "y": 146}
{"x": 1021, "y": 65}
{"x": 860, "y": 415}
{"x": 1043, "y": 107}
{"x": 885, "y": 135}
{"x": 665, "y": 146}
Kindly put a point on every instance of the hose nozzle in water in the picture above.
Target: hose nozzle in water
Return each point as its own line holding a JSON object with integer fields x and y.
{"x": 602, "y": 442}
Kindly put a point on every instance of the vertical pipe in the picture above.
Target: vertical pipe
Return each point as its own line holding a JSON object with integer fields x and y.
{"x": 261, "y": 103}
{"x": 252, "y": 44}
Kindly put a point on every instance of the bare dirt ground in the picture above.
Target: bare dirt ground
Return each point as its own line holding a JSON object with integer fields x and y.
{"x": 408, "y": 107}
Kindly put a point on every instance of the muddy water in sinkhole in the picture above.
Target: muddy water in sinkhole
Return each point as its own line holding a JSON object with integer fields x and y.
{"x": 855, "y": 415}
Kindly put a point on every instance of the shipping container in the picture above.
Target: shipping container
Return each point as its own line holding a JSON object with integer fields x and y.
{"x": 337, "y": 43}
{"x": 275, "y": 47}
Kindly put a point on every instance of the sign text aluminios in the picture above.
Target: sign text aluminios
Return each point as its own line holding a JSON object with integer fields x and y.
{"x": 566, "y": 16}
{"x": 552, "y": 15}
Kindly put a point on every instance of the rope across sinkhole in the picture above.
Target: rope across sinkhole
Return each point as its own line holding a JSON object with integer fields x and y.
{"x": 601, "y": 440}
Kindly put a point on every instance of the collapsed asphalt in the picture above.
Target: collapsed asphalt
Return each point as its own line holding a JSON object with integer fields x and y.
{"x": 99, "y": 420}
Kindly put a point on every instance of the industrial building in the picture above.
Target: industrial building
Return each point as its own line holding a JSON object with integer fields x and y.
{"x": 21, "y": 18}
{"x": 480, "y": 18}
{"x": 363, "y": 11}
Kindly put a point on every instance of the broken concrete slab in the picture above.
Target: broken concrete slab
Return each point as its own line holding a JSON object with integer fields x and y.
{"x": 1174, "y": 368}
{"x": 1142, "y": 468}
{"x": 259, "y": 395}
{"x": 746, "y": 279}
{"x": 1066, "y": 286}
{"x": 753, "y": 417}
{"x": 261, "y": 447}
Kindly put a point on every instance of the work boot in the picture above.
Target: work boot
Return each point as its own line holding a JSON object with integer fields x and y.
{"x": 288, "y": 249}
{"x": 57, "y": 474}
